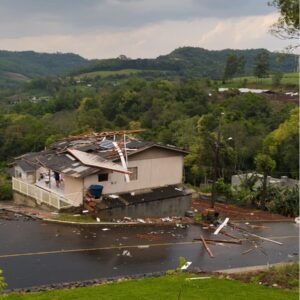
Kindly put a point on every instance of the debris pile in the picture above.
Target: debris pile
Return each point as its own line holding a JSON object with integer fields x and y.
{"x": 245, "y": 235}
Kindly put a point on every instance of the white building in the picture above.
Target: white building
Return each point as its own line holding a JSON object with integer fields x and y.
{"x": 112, "y": 160}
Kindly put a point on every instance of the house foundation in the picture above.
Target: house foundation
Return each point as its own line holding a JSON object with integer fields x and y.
{"x": 24, "y": 200}
{"x": 176, "y": 206}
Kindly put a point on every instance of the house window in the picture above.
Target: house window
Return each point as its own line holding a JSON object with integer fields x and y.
{"x": 134, "y": 174}
{"x": 103, "y": 177}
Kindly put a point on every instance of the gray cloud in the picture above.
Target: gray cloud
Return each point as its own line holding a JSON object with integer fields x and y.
{"x": 138, "y": 28}
{"x": 21, "y": 18}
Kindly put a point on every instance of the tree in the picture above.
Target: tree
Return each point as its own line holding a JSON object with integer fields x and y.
{"x": 264, "y": 164}
{"x": 214, "y": 149}
{"x": 282, "y": 144}
{"x": 231, "y": 66}
{"x": 276, "y": 78}
{"x": 241, "y": 65}
{"x": 261, "y": 66}
{"x": 287, "y": 25}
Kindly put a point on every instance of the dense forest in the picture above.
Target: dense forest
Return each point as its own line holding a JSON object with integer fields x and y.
{"x": 192, "y": 62}
{"x": 18, "y": 67}
{"x": 172, "y": 112}
{"x": 182, "y": 63}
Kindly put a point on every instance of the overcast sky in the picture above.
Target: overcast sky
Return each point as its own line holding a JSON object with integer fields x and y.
{"x": 136, "y": 28}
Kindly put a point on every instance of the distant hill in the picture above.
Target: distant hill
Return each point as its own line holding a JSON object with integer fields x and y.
{"x": 21, "y": 66}
{"x": 185, "y": 62}
{"x": 191, "y": 62}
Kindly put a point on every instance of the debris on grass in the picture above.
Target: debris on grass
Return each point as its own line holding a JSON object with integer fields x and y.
{"x": 284, "y": 276}
{"x": 197, "y": 278}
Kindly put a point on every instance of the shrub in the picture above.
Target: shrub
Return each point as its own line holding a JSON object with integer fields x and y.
{"x": 284, "y": 201}
{"x": 5, "y": 188}
{"x": 2, "y": 283}
{"x": 223, "y": 189}
{"x": 245, "y": 197}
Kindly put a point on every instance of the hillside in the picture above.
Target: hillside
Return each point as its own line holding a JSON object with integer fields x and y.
{"x": 190, "y": 62}
{"x": 186, "y": 62}
{"x": 21, "y": 66}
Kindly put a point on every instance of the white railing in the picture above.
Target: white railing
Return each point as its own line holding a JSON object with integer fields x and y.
{"x": 45, "y": 196}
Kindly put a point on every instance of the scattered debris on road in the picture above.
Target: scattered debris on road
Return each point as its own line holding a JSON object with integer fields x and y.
{"x": 149, "y": 237}
{"x": 206, "y": 247}
{"x": 126, "y": 253}
{"x": 186, "y": 265}
{"x": 221, "y": 226}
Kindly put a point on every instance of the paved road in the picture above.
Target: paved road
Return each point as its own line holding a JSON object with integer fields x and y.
{"x": 34, "y": 253}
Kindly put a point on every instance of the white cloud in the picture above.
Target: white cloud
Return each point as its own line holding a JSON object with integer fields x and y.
{"x": 158, "y": 38}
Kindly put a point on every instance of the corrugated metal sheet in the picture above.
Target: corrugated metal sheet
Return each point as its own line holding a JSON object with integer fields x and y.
{"x": 94, "y": 160}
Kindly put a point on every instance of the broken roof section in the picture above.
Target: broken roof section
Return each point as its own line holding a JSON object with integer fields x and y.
{"x": 86, "y": 154}
{"x": 97, "y": 161}
{"x": 26, "y": 166}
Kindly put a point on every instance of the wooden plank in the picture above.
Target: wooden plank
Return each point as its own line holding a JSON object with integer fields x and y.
{"x": 219, "y": 241}
{"x": 206, "y": 247}
{"x": 229, "y": 235}
{"x": 255, "y": 235}
{"x": 221, "y": 226}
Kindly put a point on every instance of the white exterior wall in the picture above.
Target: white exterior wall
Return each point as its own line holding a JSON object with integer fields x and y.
{"x": 73, "y": 189}
{"x": 156, "y": 167}
{"x": 26, "y": 176}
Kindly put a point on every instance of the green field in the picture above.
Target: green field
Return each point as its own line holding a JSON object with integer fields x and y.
{"x": 126, "y": 72}
{"x": 168, "y": 287}
{"x": 290, "y": 81}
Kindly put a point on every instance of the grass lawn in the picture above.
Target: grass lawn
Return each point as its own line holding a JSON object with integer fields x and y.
{"x": 108, "y": 73}
{"x": 167, "y": 287}
{"x": 72, "y": 218}
{"x": 288, "y": 80}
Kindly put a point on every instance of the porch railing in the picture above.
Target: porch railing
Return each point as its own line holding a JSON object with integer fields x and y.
{"x": 45, "y": 196}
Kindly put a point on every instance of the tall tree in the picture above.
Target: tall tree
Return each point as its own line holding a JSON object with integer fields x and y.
{"x": 283, "y": 145}
{"x": 214, "y": 152}
{"x": 264, "y": 164}
{"x": 241, "y": 65}
{"x": 261, "y": 67}
{"x": 231, "y": 66}
{"x": 287, "y": 25}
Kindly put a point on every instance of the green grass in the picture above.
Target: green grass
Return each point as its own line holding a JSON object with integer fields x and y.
{"x": 72, "y": 218}
{"x": 285, "y": 276}
{"x": 168, "y": 287}
{"x": 16, "y": 76}
{"x": 108, "y": 73}
{"x": 289, "y": 81}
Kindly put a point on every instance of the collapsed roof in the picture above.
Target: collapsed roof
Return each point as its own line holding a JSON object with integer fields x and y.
{"x": 87, "y": 154}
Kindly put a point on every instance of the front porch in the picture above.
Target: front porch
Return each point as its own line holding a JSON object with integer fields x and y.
{"x": 50, "y": 185}
{"x": 41, "y": 193}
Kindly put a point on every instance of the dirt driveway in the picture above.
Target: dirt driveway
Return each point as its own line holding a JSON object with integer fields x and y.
{"x": 238, "y": 213}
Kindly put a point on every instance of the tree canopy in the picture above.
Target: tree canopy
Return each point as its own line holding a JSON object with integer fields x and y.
{"x": 287, "y": 25}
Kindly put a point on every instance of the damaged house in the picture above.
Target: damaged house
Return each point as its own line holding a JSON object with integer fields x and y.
{"x": 110, "y": 174}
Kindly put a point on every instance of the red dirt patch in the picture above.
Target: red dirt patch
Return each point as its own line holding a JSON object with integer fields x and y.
{"x": 238, "y": 213}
